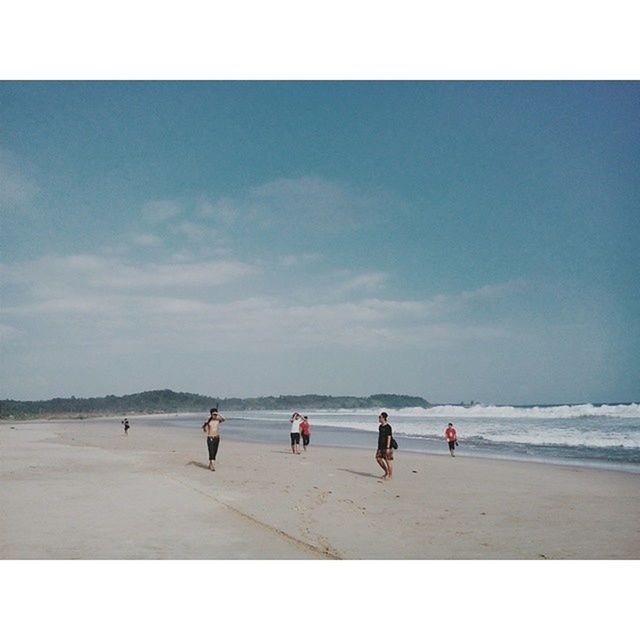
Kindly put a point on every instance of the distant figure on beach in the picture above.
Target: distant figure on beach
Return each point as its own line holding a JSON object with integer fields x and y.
{"x": 305, "y": 432}
{"x": 384, "y": 453}
{"x": 212, "y": 430}
{"x": 125, "y": 422}
{"x": 296, "y": 421}
{"x": 452, "y": 438}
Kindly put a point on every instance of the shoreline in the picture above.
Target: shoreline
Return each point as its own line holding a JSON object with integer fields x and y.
{"x": 97, "y": 494}
{"x": 353, "y": 437}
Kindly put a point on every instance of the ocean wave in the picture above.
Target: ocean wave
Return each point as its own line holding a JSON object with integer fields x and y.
{"x": 507, "y": 411}
{"x": 562, "y": 440}
{"x": 549, "y": 439}
{"x": 503, "y": 431}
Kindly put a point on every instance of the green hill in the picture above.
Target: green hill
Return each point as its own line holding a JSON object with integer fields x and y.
{"x": 167, "y": 401}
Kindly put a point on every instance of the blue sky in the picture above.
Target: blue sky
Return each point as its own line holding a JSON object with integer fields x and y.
{"x": 460, "y": 241}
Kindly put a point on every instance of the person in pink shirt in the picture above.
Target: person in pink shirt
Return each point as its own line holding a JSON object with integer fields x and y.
{"x": 305, "y": 431}
{"x": 452, "y": 438}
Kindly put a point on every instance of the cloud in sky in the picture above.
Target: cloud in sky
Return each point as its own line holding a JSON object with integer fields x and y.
{"x": 312, "y": 202}
{"x": 8, "y": 332}
{"x": 223, "y": 210}
{"x": 294, "y": 259}
{"x": 83, "y": 273}
{"x": 199, "y": 233}
{"x": 16, "y": 186}
{"x": 146, "y": 240}
{"x": 364, "y": 282}
{"x": 157, "y": 211}
{"x": 171, "y": 306}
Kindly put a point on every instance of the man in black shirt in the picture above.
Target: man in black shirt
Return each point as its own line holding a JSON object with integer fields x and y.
{"x": 384, "y": 454}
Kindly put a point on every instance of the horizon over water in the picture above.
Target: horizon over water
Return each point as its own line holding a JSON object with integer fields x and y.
{"x": 585, "y": 435}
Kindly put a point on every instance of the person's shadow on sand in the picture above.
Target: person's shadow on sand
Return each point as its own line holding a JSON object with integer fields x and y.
{"x": 198, "y": 464}
{"x": 360, "y": 473}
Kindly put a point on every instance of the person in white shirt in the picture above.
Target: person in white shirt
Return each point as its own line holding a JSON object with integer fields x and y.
{"x": 295, "y": 420}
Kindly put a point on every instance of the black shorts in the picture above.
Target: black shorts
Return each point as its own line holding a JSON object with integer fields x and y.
{"x": 295, "y": 438}
{"x": 305, "y": 439}
{"x": 212, "y": 445}
{"x": 452, "y": 445}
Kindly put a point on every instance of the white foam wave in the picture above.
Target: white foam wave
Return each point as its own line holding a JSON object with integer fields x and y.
{"x": 568, "y": 439}
{"x": 496, "y": 411}
{"x": 503, "y": 434}
{"x": 524, "y": 429}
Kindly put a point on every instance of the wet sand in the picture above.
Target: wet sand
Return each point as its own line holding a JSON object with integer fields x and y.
{"x": 81, "y": 489}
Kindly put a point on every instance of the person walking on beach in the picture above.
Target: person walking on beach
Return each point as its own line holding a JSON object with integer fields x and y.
{"x": 384, "y": 453}
{"x": 296, "y": 421}
{"x": 452, "y": 438}
{"x": 211, "y": 429}
{"x": 305, "y": 432}
{"x": 125, "y": 422}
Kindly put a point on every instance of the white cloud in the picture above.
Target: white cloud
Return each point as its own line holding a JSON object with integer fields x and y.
{"x": 67, "y": 303}
{"x": 8, "y": 333}
{"x": 493, "y": 291}
{"x": 173, "y": 306}
{"x": 172, "y": 275}
{"x": 161, "y": 210}
{"x": 223, "y": 210}
{"x": 16, "y": 187}
{"x": 310, "y": 202}
{"x": 198, "y": 232}
{"x": 147, "y": 240}
{"x": 475, "y": 298}
{"x": 50, "y": 276}
{"x": 300, "y": 259}
{"x": 272, "y": 324}
{"x": 363, "y": 282}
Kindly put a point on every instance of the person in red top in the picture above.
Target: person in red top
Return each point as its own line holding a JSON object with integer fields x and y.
{"x": 305, "y": 431}
{"x": 452, "y": 438}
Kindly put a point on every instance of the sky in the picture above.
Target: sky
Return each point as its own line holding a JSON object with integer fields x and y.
{"x": 454, "y": 240}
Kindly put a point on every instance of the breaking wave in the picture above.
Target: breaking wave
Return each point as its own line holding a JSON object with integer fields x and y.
{"x": 497, "y": 411}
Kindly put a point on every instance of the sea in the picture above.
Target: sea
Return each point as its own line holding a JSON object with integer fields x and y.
{"x": 585, "y": 435}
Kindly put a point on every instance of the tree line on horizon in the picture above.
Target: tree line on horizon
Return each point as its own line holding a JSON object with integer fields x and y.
{"x": 167, "y": 401}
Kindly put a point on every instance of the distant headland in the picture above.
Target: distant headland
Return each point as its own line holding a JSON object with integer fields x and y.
{"x": 167, "y": 401}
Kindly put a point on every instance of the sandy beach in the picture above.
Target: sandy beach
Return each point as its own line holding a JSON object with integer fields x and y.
{"x": 81, "y": 489}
